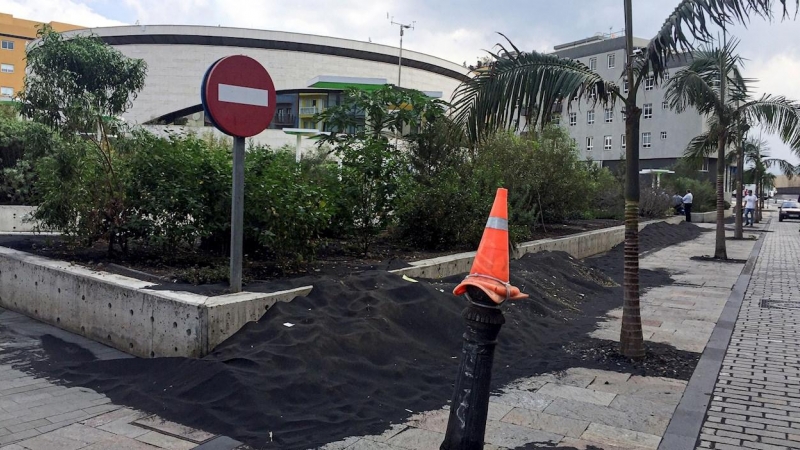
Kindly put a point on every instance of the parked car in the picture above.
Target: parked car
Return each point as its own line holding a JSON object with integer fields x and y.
{"x": 788, "y": 210}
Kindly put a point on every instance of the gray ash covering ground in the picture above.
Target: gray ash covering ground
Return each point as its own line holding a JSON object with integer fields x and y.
{"x": 368, "y": 348}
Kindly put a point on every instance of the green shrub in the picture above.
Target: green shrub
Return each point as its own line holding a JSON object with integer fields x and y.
{"x": 177, "y": 189}
{"x": 703, "y": 192}
{"x": 449, "y": 189}
{"x": 285, "y": 211}
{"x": 607, "y": 196}
{"x": 21, "y": 142}
{"x": 654, "y": 203}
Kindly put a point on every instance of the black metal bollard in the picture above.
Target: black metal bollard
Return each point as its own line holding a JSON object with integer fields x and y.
{"x": 468, "y": 410}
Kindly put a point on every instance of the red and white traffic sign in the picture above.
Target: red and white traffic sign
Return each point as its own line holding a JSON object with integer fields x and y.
{"x": 238, "y": 96}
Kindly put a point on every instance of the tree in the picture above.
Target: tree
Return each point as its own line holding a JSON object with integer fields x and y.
{"x": 78, "y": 86}
{"x": 365, "y": 130}
{"x": 74, "y": 82}
{"x": 520, "y": 85}
{"x": 714, "y": 85}
{"x": 756, "y": 155}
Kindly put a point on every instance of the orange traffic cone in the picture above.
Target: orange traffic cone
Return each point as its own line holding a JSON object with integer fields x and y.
{"x": 490, "y": 267}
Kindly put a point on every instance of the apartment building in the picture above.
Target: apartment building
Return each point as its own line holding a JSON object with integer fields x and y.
{"x": 599, "y": 130}
{"x": 14, "y": 36}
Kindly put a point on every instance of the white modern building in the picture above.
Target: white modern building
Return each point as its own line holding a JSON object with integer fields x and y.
{"x": 599, "y": 131}
{"x": 308, "y": 71}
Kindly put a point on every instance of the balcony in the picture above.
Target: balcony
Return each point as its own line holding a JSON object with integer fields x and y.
{"x": 310, "y": 110}
{"x": 284, "y": 121}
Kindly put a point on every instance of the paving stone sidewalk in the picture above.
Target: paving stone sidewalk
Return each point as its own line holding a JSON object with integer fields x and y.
{"x": 596, "y": 409}
{"x": 37, "y": 414}
{"x": 756, "y": 402}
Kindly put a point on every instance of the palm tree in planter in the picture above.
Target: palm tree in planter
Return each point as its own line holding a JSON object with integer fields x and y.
{"x": 519, "y": 85}
{"x": 713, "y": 84}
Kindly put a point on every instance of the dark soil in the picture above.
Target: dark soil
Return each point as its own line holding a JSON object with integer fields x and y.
{"x": 206, "y": 273}
{"x": 369, "y": 349}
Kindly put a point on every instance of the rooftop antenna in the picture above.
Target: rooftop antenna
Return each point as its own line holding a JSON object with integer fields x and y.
{"x": 402, "y": 27}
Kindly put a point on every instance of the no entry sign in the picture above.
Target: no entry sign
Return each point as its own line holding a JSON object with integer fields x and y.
{"x": 238, "y": 96}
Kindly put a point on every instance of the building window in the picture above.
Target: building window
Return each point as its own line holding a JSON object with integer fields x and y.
{"x": 607, "y": 143}
{"x": 590, "y": 117}
{"x": 6, "y": 92}
{"x": 663, "y": 135}
{"x": 592, "y": 63}
{"x": 704, "y": 168}
{"x": 622, "y": 141}
{"x": 648, "y": 110}
{"x": 8, "y": 45}
{"x": 649, "y": 83}
{"x": 7, "y": 68}
{"x": 664, "y": 105}
{"x": 646, "y": 140}
{"x": 612, "y": 60}
{"x": 589, "y": 144}
{"x": 556, "y": 119}
{"x": 625, "y": 85}
{"x": 666, "y": 74}
{"x": 624, "y": 116}
{"x": 609, "y": 115}
{"x": 573, "y": 119}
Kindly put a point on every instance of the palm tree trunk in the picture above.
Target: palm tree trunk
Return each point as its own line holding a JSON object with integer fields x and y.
{"x": 759, "y": 202}
{"x": 720, "y": 250}
{"x": 631, "y": 339}
{"x": 737, "y": 210}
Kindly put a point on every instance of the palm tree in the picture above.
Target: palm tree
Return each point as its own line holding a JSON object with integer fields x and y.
{"x": 756, "y": 154}
{"x": 520, "y": 85}
{"x": 713, "y": 84}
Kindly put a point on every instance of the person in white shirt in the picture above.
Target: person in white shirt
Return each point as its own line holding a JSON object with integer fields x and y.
{"x": 687, "y": 205}
{"x": 749, "y": 208}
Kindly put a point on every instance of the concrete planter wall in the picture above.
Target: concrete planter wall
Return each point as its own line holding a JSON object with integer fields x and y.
{"x": 578, "y": 245}
{"x": 13, "y": 219}
{"x": 709, "y": 217}
{"x": 121, "y": 312}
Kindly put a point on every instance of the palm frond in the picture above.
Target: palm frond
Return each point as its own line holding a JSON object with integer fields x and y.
{"x": 787, "y": 168}
{"x": 701, "y": 147}
{"x": 688, "y": 88}
{"x": 527, "y": 85}
{"x": 776, "y": 114}
{"x": 690, "y": 21}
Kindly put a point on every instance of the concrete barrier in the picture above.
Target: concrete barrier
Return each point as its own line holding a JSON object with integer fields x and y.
{"x": 122, "y": 312}
{"x": 709, "y": 217}
{"x": 580, "y": 245}
{"x": 14, "y": 219}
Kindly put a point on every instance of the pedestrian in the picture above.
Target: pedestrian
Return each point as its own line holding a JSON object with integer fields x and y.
{"x": 677, "y": 203}
{"x": 687, "y": 205}
{"x": 749, "y": 208}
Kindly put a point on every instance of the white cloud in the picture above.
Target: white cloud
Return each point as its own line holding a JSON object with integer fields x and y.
{"x": 67, "y": 11}
{"x": 777, "y": 75}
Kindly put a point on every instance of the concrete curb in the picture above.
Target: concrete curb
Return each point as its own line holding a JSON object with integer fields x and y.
{"x": 683, "y": 430}
{"x": 581, "y": 245}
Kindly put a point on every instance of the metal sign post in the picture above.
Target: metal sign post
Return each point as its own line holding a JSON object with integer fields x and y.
{"x": 239, "y": 99}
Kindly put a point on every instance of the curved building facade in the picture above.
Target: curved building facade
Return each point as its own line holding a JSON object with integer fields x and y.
{"x": 178, "y": 56}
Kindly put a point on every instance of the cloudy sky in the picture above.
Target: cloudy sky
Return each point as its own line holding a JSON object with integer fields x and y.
{"x": 455, "y": 30}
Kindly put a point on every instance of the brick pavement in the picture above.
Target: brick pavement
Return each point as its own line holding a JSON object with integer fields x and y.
{"x": 37, "y": 414}
{"x": 756, "y": 402}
